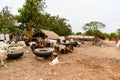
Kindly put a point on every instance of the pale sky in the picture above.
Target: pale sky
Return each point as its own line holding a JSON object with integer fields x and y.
{"x": 78, "y": 12}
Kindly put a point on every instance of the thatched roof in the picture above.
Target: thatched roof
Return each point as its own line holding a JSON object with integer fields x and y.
{"x": 49, "y": 34}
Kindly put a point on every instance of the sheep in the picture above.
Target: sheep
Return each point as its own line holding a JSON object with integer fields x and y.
{"x": 13, "y": 43}
{"x": 17, "y": 46}
{"x": 21, "y": 43}
{"x": 3, "y": 55}
{"x": 3, "y": 51}
{"x": 3, "y": 45}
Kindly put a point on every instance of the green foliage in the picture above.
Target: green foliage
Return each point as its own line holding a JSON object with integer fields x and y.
{"x": 92, "y": 28}
{"x": 93, "y": 25}
{"x": 78, "y": 33}
{"x": 118, "y": 32}
{"x": 96, "y": 33}
{"x": 7, "y": 24}
{"x": 113, "y": 35}
{"x": 54, "y": 23}
{"x": 89, "y": 33}
{"x": 93, "y": 33}
{"x": 58, "y": 25}
{"x": 106, "y": 35}
{"x": 32, "y": 16}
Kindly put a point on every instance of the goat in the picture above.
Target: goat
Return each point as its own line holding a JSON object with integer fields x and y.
{"x": 32, "y": 43}
{"x": 61, "y": 48}
{"x": 52, "y": 42}
{"x": 64, "y": 49}
{"x": 70, "y": 49}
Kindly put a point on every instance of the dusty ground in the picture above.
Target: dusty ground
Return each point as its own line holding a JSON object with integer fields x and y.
{"x": 85, "y": 63}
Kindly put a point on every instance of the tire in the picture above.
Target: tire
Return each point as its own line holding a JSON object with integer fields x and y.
{"x": 14, "y": 55}
{"x": 42, "y": 52}
{"x": 66, "y": 44}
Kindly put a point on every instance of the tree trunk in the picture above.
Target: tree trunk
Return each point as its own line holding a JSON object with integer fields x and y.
{"x": 31, "y": 34}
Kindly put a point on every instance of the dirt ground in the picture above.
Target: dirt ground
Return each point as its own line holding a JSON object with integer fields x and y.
{"x": 87, "y": 62}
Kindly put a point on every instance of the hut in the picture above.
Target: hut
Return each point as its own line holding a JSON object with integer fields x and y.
{"x": 45, "y": 37}
{"x": 46, "y": 34}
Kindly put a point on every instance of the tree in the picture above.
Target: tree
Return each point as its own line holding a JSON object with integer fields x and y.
{"x": 94, "y": 25}
{"x": 92, "y": 28}
{"x": 78, "y": 33}
{"x": 56, "y": 24}
{"x": 106, "y": 35}
{"x": 30, "y": 14}
{"x": 118, "y": 32}
{"x": 7, "y": 24}
{"x": 113, "y": 34}
{"x": 61, "y": 27}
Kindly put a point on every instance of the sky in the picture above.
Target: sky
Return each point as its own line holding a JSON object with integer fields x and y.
{"x": 78, "y": 12}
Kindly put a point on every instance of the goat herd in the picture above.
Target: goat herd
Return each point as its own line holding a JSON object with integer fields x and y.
{"x": 45, "y": 49}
